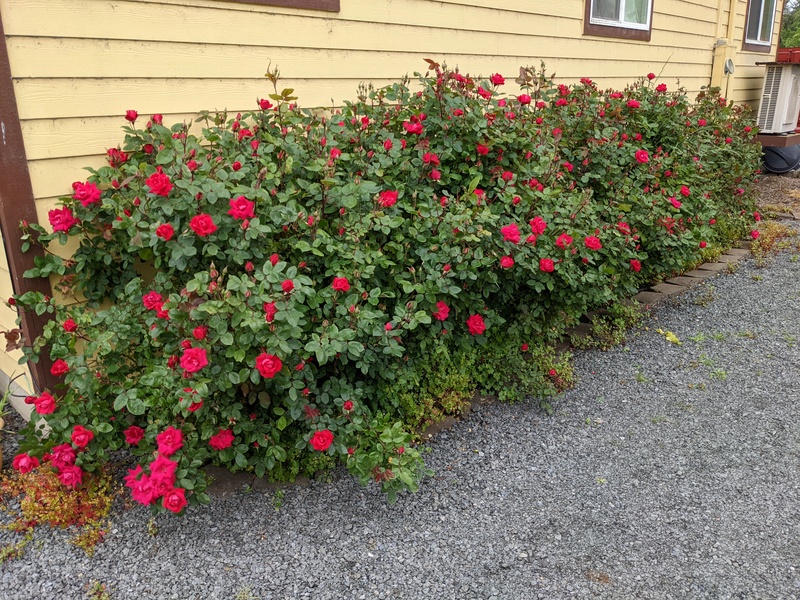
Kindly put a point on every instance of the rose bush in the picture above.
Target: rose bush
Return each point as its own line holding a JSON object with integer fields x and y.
{"x": 282, "y": 284}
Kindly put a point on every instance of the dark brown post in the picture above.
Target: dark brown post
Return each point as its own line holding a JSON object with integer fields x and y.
{"x": 17, "y": 204}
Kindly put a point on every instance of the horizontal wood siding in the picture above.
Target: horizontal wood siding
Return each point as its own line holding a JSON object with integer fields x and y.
{"x": 78, "y": 65}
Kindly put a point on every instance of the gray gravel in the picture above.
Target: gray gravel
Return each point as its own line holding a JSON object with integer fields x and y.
{"x": 668, "y": 472}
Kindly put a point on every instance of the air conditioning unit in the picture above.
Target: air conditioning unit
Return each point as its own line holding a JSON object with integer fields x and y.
{"x": 780, "y": 99}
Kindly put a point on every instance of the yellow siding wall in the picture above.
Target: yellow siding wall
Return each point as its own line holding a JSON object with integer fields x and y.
{"x": 79, "y": 64}
{"x": 749, "y": 78}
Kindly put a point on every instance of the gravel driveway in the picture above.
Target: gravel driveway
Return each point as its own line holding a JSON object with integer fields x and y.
{"x": 670, "y": 471}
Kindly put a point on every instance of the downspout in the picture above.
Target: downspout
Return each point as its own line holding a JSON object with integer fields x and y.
{"x": 724, "y": 48}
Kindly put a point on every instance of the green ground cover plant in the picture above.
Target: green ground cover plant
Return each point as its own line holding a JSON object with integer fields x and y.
{"x": 282, "y": 289}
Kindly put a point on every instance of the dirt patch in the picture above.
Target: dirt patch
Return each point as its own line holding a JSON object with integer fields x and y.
{"x": 778, "y": 193}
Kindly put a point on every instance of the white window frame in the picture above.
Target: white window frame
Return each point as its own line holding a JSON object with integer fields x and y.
{"x": 761, "y": 3}
{"x": 620, "y": 22}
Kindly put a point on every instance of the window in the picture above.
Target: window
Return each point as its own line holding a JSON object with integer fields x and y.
{"x": 758, "y": 29}
{"x": 328, "y": 5}
{"x": 629, "y": 19}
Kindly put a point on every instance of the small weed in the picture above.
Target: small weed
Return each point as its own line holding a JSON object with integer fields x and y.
{"x": 697, "y": 386}
{"x": 277, "y": 500}
{"x": 246, "y": 593}
{"x": 546, "y": 406}
{"x": 719, "y": 374}
{"x": 609, "y": 329}
{"x": 698, "y": 338}
{"x": 658, "y": 419}
{"x": 794, "y": 258}
{"x": 774, "y": 238}
{"x": 152, "y": 527}
{"x": 98, "y": 591}
{"x": 15, "y": 550}
{"x": 747, "y": 334}
{"x": 719, "y": 336}
{"x": 601, "y": 480}
{"x": 707, "y": 297}
{"x": 732, "y": 268}
{"x": 701, "y": 360}
{"x": 790, "y": 339}
{"x": 758, "y": 277}
{"x": 639, "y": 375}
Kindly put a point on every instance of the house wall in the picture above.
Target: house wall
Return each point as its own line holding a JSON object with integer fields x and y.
{"x": 78, "y": 65}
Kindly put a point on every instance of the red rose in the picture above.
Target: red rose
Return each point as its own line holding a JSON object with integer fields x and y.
{"x": 236, "y": 165}
{"x": 169, "y": 441}
{"x": 642, "y": 156}
{"x": 651, "y": 76}
{"x": 506, "y": 262}
{"x": 633, "y": 104}
{"x": 348, "y": 405}
{"x": 81, "y": 436}
{"x": 287, "y": 285}
{"x": 322, "y": 440}
{"x": 563, "y": 241}
{"x": 133, "y": 435}
{"x": 70, "y": 476}
{"x": 546, "y": 265}
{"x": 200, "y": 333}
{"x": 675, "y": 202}
{"x": 661, "y": 87}
{"x": 62, "y": 455}
{"x": 86, "y": 193}
{"x": 131, "y": 115}
{"x": 264, "y": 104}
{"x": 241, "y": 208}
{"x": 175, "y": 500}
{"x": 537, "y": 225}
{"x": 624, "y": 228}
{"x": 685, "y": 191}
{"x": 70, "y": 326}
{"x": 435, "y": 174}
{"x": 755, "y": 234}
{"x": 45, "y": 404}
{"x": 510, "y": 233}
{"x": 159, "y": 184}
{"x": 203, "y": 225}
{"x": 62, "y": 219}
{"x": 703, "y": 244}
{"x": 24, "y": 463}
{"x": 388, "y": 327}
{"x": 60, "y": 367}
{"x": 524, "y": 99}
{"x": 636, "y": 265}
{"x": 269, "y": 311}
{"x": 497, "y": 79}
{"x": 165, "y": 232}
{"x": 442, "y": 311}
{"x": 476, "y": 325}
{"x": 152, "y": 300}
{"x": 524, "y": 347}
{"x": 592, "y": 243}
{"x": 482, "y": 149}
{"x": 194, "y": 359}
{"x": 221, "y": 440}
{"x": 340, "y": 284}
{"x": 268, "y": 365}
{"x": 387, "y": 198}
{"x": 388, "y": 144}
